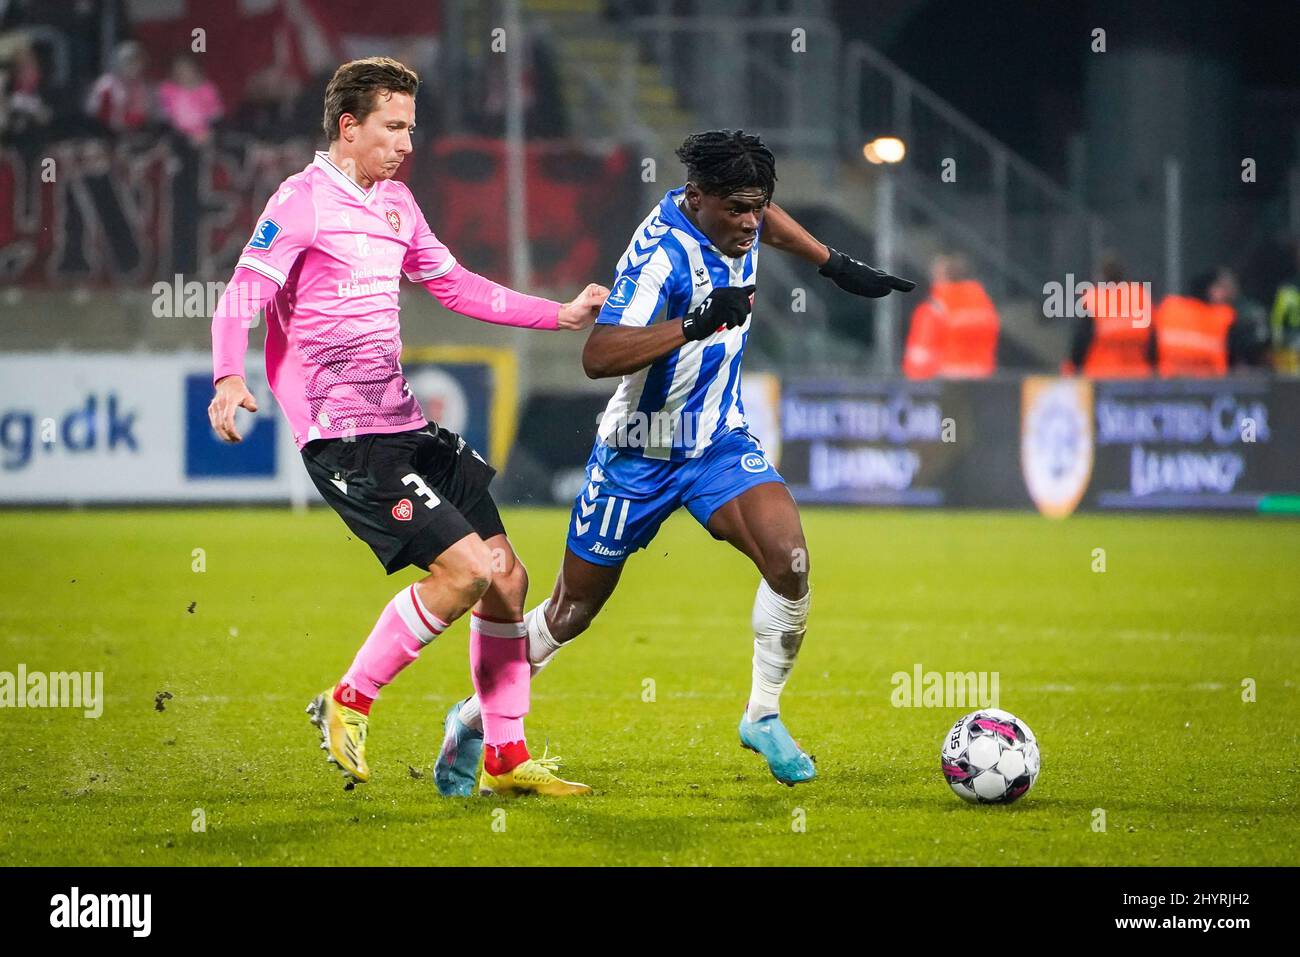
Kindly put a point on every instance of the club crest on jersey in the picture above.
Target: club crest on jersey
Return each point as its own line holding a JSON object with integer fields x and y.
{"x": 265, "y": 234}
{"x": 403, "y": 510}
{"x": 753, "y": 462}
{"x": 623, "y": 292}
{"x": 394, "y": 220}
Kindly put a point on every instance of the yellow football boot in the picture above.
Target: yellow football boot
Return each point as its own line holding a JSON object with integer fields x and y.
{"x": 534, "y": 776}
{"x": 343, "y": 737}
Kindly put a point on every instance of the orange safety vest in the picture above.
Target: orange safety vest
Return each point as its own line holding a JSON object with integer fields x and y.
{"x": 1121, "y": 333}
{"x": 1192, "y": 337}
{"x": 954, "y": 334}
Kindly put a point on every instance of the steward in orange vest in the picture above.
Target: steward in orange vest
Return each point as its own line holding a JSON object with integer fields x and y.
{"x": 954, "y": 333}
{"x": 1118, "y": 332}
{"x": 1192, "y": 337}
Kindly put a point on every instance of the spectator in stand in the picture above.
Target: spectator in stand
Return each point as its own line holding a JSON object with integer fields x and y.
{"x": 120, "y": 99}
{"x": 23, "y": 111}
{"x": 80, "y": 25}
{"x": 954, "y": 333}
{"x": 189, "y": 101}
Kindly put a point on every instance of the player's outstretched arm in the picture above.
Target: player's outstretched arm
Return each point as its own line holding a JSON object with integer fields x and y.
{"x": 619, "y": 350}
{"x": 480, "y": 298}
{"x": 780, "y": 231}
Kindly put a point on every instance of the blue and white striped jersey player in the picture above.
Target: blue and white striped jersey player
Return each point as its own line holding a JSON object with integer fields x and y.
{"x": 674, "y": 433}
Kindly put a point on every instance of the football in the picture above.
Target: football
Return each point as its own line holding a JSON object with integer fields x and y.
{"x": 990, "y": 757}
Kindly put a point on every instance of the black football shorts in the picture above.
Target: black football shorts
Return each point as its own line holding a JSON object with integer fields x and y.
{"x": 408, "y": 495}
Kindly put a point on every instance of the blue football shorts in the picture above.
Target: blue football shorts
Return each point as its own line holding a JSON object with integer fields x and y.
{"x": 627, "y": 496}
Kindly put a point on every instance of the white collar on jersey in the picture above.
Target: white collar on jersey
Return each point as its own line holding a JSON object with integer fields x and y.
{"x": 343, "y": 179}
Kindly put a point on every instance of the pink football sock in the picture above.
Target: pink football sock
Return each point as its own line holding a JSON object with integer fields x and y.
{"x": 403, "y": 629}
{"x": 498, "y": 663}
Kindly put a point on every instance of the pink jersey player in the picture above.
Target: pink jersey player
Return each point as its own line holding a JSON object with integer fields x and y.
{"x": 326, "y": 262}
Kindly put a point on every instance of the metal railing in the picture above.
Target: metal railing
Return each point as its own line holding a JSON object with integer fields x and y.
{"x": 1026, "y": 228}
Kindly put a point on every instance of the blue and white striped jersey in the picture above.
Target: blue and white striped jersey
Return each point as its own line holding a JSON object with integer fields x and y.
{"x": 683, "y": 402}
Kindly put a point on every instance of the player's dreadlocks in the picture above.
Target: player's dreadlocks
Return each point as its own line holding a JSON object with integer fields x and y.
{"x": 720, "y": 162}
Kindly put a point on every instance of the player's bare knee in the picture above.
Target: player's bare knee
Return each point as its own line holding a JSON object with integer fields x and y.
{"x": 512, "y": 585}
{"x": 471, "y": 573}
{"x": 786, "y": 570}
{"x": 476, "y": 580}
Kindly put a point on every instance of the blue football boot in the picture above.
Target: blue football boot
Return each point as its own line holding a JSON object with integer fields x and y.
{"x": 456, "y": 770}
{"x": 767, "y": 736}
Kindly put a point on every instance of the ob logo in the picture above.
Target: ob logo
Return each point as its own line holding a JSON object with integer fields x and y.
{"x": 403, "y": 510}
{"x": 753, "y": 462}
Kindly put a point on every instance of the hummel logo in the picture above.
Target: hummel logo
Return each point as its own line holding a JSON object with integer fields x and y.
{"x": 283, "y": 195}
{"x": 597, "y": 475}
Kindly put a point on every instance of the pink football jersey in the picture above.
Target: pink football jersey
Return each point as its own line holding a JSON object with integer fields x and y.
{"x": 337, "y": 252}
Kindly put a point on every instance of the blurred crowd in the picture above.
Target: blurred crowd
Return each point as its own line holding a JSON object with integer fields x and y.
{"x": 1118, "y": 330}
{"x": 76, "y": 68}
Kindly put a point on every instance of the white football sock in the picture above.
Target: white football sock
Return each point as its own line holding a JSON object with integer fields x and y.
{"x": 541, "y": 649}
{"x": 470, "y": 713}
{"x": 541, "y": 646}
{"x": 779, "y": 626}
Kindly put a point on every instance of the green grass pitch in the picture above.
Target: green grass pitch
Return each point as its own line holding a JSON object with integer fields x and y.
{"x": 1132, "y": 679}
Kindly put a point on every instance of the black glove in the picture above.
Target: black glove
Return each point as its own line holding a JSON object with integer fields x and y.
{"x": 728, "y": 306}
{"x": 861, "y": 279}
